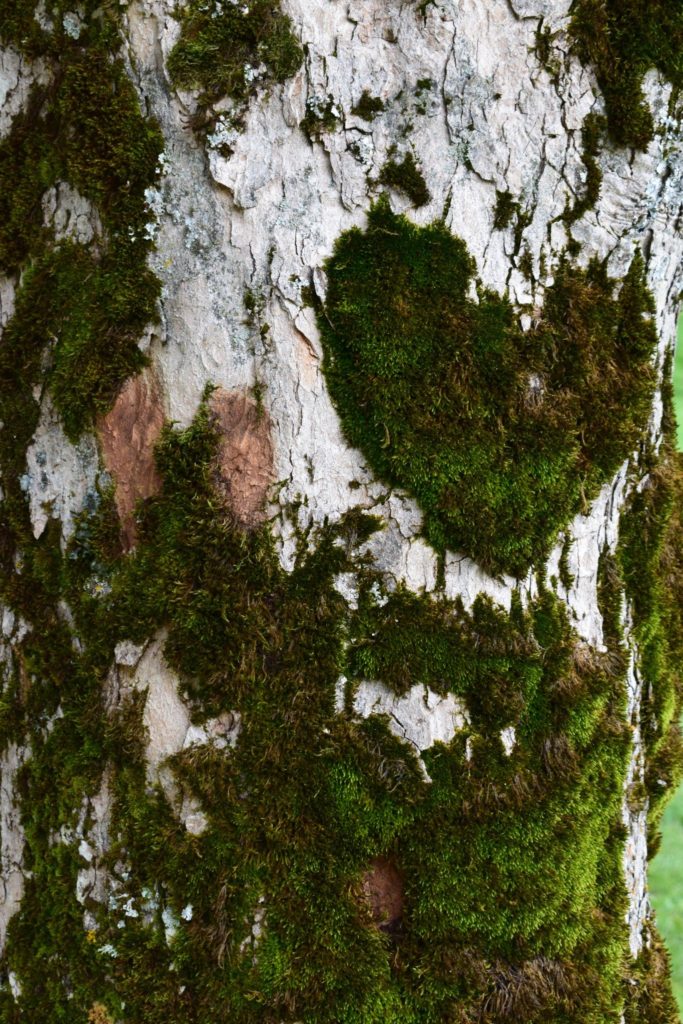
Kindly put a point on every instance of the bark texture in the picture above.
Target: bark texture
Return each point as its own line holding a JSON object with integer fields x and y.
{"x": 274, "y": 746}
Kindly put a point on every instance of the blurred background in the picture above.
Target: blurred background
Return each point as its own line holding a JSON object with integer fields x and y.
{"x": 666, "y": 870}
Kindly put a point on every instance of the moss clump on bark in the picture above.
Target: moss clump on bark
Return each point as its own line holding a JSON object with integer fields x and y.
{"x": 651, "y": 999}
{"x": 406, "y": 177}
{"x": 80, "y": 308}
{"x": 227, "y": 49}
{"x": 591, "y": 134}
{"x": 624, "y": 39}
{"x": 368, "y": 106}
{"x": 651, "y": 542}
{"x": 505, "y": 209}
{"x": 50, "y": 30}
{"x": 501, "y": 436}
{"x": 511, "y": 864}
{"x": 322, "y": 116}
{"x": 309, "y": 797}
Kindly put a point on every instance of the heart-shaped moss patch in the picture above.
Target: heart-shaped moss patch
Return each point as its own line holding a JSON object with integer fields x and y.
{"x": 501, "y": 435}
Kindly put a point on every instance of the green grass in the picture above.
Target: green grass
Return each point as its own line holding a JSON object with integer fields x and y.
{"x": 666, "y": 886}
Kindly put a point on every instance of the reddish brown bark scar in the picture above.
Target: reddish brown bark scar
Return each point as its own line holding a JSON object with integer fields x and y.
{"x": 128, "y": 434}
{"x": 244, "y": 463}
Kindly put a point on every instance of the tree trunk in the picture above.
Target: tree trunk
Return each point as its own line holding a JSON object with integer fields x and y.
{"x": 341, "y": 573}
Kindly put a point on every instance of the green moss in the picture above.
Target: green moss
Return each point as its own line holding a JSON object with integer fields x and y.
{"x": 58, "y": 27}
{"x": 651, "y": 541}
{"x": 505, "y": 209}
{"x": 650, "y": 998}
{"x": 406, "y": 177}
{"x": 322, "y": 115}
{"x": 28, "y": 167}
{"x": 368, "y": 106}
{"x": 500, "y": 435}
{"x": 88, "y": 314}
{"x": 513, "y": 901}
{"x": 591, "y": 133}
{"x": 80, "y": 309}
{"x": 512, "y": 865}
{"x": 624, "y": 40}
{"x": 110, "y": 151}
{"x": 526, "y": 264}
{"x": 496, "y": 916}
{"x": 222, "y": 45}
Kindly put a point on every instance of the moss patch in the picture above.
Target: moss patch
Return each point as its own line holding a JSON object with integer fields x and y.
{"x": 80, "y": 309}
{"x": 368, "y": 106}
{"x": 500, "y": 435}
{"x": 651, "y": 1000}
{"x": 406, "y": 177}
{"x": 591, "y": 133}
{"x": 322, "y": 115}
{"x": 505, "y": 209}
{"x": 624, "y": 39}
{"x": 228, "y": 49}
{"x": 651, "y": 542}
{"x": 511, "y": 866}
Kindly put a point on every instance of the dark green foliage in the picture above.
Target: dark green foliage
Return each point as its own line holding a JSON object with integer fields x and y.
{"x": 500, "y": 435}
{"x": 368, "y": 106}
{"x": 220, "y": 41}
{"x": 624, "y": 39}
{"x": 406, "y": 177}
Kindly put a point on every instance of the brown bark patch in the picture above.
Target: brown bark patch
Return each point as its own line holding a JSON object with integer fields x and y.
{"x": 383, "y": 890}
{"x": 128, "y": 434}
{"x": 244, "y": 462}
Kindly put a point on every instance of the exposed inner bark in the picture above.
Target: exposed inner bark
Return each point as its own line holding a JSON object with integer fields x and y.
{"x": 244, "y": 463}
{"x": 128, "y": 434}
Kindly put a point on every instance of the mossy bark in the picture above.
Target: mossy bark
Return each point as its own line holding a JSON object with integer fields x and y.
{"x": 368, "y": 710}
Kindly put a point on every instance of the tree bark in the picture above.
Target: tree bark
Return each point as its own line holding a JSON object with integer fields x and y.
{"x": 286, "y": 737}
